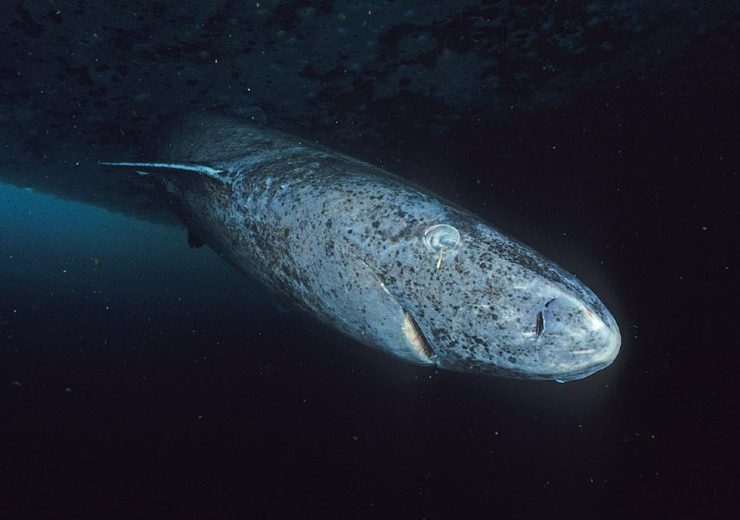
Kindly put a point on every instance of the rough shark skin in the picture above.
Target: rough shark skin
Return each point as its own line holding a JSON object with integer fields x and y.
{"x": 383, "y": 261}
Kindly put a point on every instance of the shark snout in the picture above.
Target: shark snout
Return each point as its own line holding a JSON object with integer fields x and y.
{"x": 581, "y": 339}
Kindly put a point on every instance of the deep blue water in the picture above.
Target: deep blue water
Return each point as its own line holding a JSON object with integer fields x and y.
{"x": 142, "y": 378}
{"x": 142, "y": 375}
{"x": 133, "y": 363}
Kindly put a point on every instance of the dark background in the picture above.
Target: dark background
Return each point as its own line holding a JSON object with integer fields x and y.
{"x": 141, "y": 378}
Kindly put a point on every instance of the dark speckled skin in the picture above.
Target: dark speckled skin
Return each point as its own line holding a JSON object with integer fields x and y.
{"x": 346, "y": 241}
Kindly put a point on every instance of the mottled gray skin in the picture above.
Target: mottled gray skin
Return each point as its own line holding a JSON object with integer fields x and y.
{"x": 350, "y": 243}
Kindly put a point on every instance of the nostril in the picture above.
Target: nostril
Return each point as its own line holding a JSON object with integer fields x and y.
{"x": 539, "y": 322}
{"x": 539, "y": 325}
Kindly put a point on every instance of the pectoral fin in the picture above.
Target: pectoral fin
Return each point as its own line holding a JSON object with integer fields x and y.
{"x": 380, "y": 317}
{"x": 194, "y": 240}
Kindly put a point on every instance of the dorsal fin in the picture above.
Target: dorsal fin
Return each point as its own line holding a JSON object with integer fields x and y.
{"x": 213, "y": 173}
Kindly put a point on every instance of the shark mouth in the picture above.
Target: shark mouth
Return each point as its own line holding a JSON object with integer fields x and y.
{"x": 416, "y": 338}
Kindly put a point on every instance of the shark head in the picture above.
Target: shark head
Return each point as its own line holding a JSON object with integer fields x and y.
{"x": 475, "y": 300}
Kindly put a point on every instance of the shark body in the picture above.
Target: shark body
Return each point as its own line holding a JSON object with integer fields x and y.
{"x": 384, "y": 261}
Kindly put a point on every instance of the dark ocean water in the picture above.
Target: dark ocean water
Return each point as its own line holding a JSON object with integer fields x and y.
{"x": 140, "y": 378}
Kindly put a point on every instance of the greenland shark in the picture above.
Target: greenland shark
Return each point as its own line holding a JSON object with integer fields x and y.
{"x": 380, "y": 259}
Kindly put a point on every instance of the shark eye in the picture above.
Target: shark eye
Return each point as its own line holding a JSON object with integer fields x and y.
{"x": 441, "y": 237}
